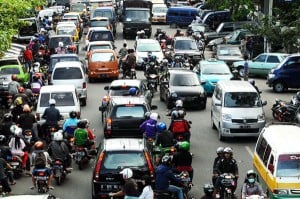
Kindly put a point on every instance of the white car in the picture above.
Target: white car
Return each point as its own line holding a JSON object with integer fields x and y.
{"x": 143, "y": 46}
{"x": 159, "y": 12}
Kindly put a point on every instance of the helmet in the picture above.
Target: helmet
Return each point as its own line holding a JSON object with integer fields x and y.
{"x": 251, "y": 173}
{"x": 26, "y": 108}
{"x": 228, "y": 150}
{"x": 73, "y": 114}
{"x": 52, "y": 102}
{"x": 138, "y": 32}
{"x": 14, "y": 77}
{"x": 18, "y": 132}
{"x": 81, "y": 124}
{"x": 58, "y": 136}
{"x": 2, "y": 139}
{"x": 39, "y": 145}
{"x": 178, "y": 103}
{"x": 208, "y": 189}
{"x": 154, "y": 116}
{"x": 13, "y": 128}
{"x": 185, "y": 145}
{"x": 252, "y": 81}
{"x": 178, "y": 31}
{"x": 86, "y": 122}
{"x": 142, "y": 32}
{"x": 127, "y": 173}
{"x": 60, "y": 44}
{"x": 7, "y": 117}
{"x": 21, "y": 89}
{"x": 161, "y": 126}
{"x": 18, "y": 101}
{"x": 220, "y": 150}
{"x": 166, "y": 159}
{"x": 132, "y": 91}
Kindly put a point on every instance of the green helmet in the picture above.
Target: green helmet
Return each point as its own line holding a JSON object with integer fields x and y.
{"x": 185, "y": 146}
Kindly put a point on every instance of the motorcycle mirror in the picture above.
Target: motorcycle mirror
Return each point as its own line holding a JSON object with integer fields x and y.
{"x": 264, "y": 103}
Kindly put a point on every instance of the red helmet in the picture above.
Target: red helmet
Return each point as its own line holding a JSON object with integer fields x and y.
{"x": 21, "y": 89}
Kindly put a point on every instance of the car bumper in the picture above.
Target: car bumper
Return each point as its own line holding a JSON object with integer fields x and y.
{"x": 101, "y": 189}
{"x": 106, "y": 74}
{"x": 229, "y": 129}
{"x": 158, "y": 19}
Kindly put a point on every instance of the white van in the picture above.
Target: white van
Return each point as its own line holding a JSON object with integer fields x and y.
{"x": 73, "y": 73}
{"x": 237, "y": 109}
{"x": 66, "y": 98}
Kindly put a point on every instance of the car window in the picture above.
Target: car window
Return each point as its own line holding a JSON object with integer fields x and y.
{"x": 67, "y": 73}
{"x": 185, "y": 45}
{"x": 95, "y": 47}
{"x": 61, "y": 98}
{"x": 261, "y": 58}
{"x": 29, "y": 29}
{"x": 120, "y": 159}
{"x": 53, "y": 43}
{"x": 130, "y": 111}
{"x": 242, "y": 99}
{"x": 101, "y": 36}
{"x": 288, "y": 165}
{"x": 184, "y": 80}
{"x": 7, "y": 71}
{"x": 215, "y": 69}
{"x": 146, "y": 47}
{"x": 77, "y": 7}
{"x": 102, "y": 13}
{"x": 66, "y": 30}
{"x": 225, "y": 51}
{"x": 102, "y": 57}
{"x": 98, "y": 23}
{"x": 53, "y": 61}
{"x": 273, "y": 59}
{"x": 121, "y": 90}
{"x": 4, "y": 62}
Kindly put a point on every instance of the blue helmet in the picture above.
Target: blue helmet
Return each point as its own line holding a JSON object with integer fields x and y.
{"x": 161, "y": 126}
{"x": 132, "y": 91}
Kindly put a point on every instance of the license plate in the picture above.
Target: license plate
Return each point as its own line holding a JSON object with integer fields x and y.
{"x": 41, "y": 177}
{"x": 80, "y": 153}
{"x": 15, "y": 163}
{"x": 103, "y": 76}
{"x": 152, "y": 80}
{"x": 245, "y": 127}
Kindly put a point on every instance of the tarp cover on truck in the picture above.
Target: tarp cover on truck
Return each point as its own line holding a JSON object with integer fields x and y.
{"x": 137, "y": 4}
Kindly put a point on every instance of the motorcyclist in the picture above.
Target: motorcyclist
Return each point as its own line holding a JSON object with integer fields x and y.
{"x": 179, "y": 126}
{"x": 6, "y": 154}
{"x": 148, "y": 127}
{"x": 252, "y": 82}
{"x": 21, "y": 93}
{"x": 122, "y": 54}
{"x": 164, "y": 174}
{"x": 142, "y": 35}
{"x": 36, "y": 83}
{"x": 70, "y": 124}
{"x": 220, "y": 156}
{"x": 130, "y": 62}
{"x": 227, "y": 165}
{"x": 17, "y": 110}
{"x": 182, "y": 159}
{"x": 251, "y": 187}
{"x": 60, "y": 49}
{"x": 164, "y": 137}
{"x": 39, "y": 149}
{"x": 81, "y": 136}
{"x": 178, "y": 107}
{"x": 235, "y": 75}
{"x": 177, "y": 62}
{"x": 27, "y": 120}
{"x": 60, "y": 149}
{"x": 178, "y": 33}
{"x": 208, "y": 190}
{"x": 89, "y": 131}
{"x": 157, "y": 33}
{"x": 6, "y": 124}
{"x": 51, "y": 115}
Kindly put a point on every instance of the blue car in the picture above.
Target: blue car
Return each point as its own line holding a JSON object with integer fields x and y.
{"x": 210, "y": 72}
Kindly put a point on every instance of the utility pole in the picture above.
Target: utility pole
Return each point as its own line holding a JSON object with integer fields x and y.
{"x": 268, "y": 8}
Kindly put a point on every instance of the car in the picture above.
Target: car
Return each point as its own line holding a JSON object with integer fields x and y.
{"x": 121, "y": 88}
{"x": 228, "y": 54}
{"x": 143, "y": 46}
{"x": 260, "y": 65}
{"x": 123, "y": 115}
{"x": 94, "y": 45}
{"x": 99, "y": 34}
{"x": 27, "y": 196}
{"x": 8, "y": 70}
{"x": 184, "y": 85}
{"x": 27, "y": 31}
{"x": 102, "y": 64}
{"x": 66, "y": 39}
{"x": 210, "y": 72}
{"x": 10, "y": 60}
{"x": 107, "y": 12}
{"x": 60, "y": 58}
{"x": 63, "y": 28}
{"x": 46, "y": 12}
{"x": 196, "y": 28}
{"x": 100, "y": 22}
{"x": 186, "y": 45}
{"x": 115, "y": 155}
{"x": 76, "y": 20}
{"x": 159, "y": 12}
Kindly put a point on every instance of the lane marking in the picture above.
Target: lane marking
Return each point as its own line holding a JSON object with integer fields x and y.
{"x": 249, "y": 151}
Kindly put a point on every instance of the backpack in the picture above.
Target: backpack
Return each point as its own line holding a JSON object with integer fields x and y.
{"x": 179, "y": 126}
{"x": 40, "y": 160}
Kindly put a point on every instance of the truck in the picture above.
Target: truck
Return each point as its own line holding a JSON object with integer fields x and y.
{"x": 136, "y": 16}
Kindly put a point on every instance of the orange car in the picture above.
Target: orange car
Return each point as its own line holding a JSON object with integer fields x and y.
{"x": 102, "y": 64}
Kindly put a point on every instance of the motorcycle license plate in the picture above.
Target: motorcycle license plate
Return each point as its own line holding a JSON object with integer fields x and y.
{"x": 41, "y": 177}
{"x": 152, "y": 80}
{"x": 15, "y": 163}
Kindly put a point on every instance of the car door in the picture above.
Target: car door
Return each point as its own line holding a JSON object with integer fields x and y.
{"x": 257, "y": 64}
{"x": 216, "y": 109}
{"x": 271, "y": 61}
{"x": 291, "y": 71}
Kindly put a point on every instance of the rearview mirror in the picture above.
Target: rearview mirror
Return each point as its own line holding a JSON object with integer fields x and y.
{"x": 154, "y": 107}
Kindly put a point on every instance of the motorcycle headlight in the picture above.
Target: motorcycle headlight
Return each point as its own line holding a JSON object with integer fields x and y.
{"x": 174, "y": 95}
{"x": 261, "y": 117}
{"x": 226, "y": 117}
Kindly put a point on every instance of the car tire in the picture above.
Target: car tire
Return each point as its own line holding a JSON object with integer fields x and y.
{"x": 279, "y": 87}
{"x": 221, "y": 137}
{"x": 241, "y": 71}
{"x": 213, "y": 126}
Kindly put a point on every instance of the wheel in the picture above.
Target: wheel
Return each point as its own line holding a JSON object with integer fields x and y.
{"x": 58, "y": 180}
{"x": 241, "y": 71}
{"x": 221, "y": 137}
{"x": 83, "y": 102}
{"x": 279, "y": 87}
{"x": 213, "y": 126}
{"x": 173, "y": 25}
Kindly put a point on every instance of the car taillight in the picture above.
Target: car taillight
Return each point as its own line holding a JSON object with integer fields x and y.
{"x": 78, "y": 115}
{"x": 41, "y": 173}
{"x": 84, "y": 85}
{"x": 108, "y": 123}
{"x": 149, "y": 164}
{"x": 98, "y": 167}
{"x": 14, "y": 159}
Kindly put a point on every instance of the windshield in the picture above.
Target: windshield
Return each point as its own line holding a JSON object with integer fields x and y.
{"x": 101, "y": 36}
{"x": 53, "y": 43}
{"x": 102, "y": 57}
{"x": 225, "y": 51}
{"x": 48, "y": 12}
{"x": 288, "y": 165}
{"x": 8, "y": 71}
{"x": 146, "y": 47}
{"x": 103, "y": 13}
{"x": 61, "y": 98}
{"x": 77, "y": 7}
{"x": 198, "y": 28}
{"x": 184, "y": 80}
{"x": 53, "y": 61}
{"x": 130, "y": 110}
{"x": 215, "y": 69}
{"x": 120, "y": 160}
{"x": 95, "y": 47}
{"x": 98, "y": 23}
{"x": 120, "y": 90}
{"x": 159, "y": 9}
{"x": 185, "y": 45}
{"x": 66, "y": 31}
{"x": 29, "y": 29}
{"x": 242, "y": 100}
{"x": 67, "y": 73}
{"x": 137, "y": 15}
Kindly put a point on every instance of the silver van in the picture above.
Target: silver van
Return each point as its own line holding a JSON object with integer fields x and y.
{"x": 237, "y": 109}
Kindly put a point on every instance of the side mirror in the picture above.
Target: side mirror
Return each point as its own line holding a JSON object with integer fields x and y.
{"x": 264, "y": 103}
{"x": 106, "y": 88}
{"x": 154, "y": 107}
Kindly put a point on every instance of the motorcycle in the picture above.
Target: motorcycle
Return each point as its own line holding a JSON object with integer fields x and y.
{"x": 81, "y": 157}
{"x": 181, "y": 129}
{"x": 16, "y": 164}
{"x": 41, "y": 181}
{"x": 51, "y": 129}
{"x": 227, "y": 185}
{"x": 59, "y": 171}
{"x": 284, "y": 111}
{"x": 158, "y": 152}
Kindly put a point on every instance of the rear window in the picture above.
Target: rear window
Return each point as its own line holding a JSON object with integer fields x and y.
{"x": 120, "y": 159}
{"x": 130, "y": 111}
{"x": 53, "y": 42}
{"x": 98, "y": 23}
{"x": 186, "y": 45}
{"x": 67, "y": 73}
{"x": 120, "y": 90}
{"x": 4, "y": 62}
{"x": 61, "y": 98}
{"x": 101, "y": 36}
{"x": 103, "y": 57}
{"x": 288, "y": 165}
{"x": 95, "y": 47}
{"x": 103, "y": 13}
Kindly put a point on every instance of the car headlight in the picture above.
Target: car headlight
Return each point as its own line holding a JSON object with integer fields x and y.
{"x": 281, "y": 191}
{"x": 261, "y": 117}
{"x": 271, "y": 75}
{"x": 174, "y": 95}
{"x": 226, "y": 117}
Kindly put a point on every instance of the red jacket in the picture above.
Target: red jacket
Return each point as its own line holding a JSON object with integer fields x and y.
{"x": 28, "y": 55}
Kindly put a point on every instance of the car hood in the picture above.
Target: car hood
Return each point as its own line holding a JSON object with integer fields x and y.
{"x": 181, "y": 52}
{"x": 159, "y": 55}
{"x": 230, "y": 58}
{"x": 243, "y": 113}
{"x": 187, "y": 89}
{"x": 216, "y": 77}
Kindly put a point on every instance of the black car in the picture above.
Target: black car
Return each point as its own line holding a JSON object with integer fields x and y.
{"x": 115, "y": 155}
{"x": 123, "y": 115}
{"x": 184, "y": 85}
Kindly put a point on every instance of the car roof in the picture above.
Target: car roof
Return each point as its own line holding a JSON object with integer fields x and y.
{"x": 127, "y": 82}
{"x": 121, "y": 100}
{"x": 58, "y": 88}
{"x": 68, "y": 64}
{"x": 98, "y": 29}
{"x": 64, "y": 55}
{"x": 123, "y": 144}
{"x": 180, "y": 71}
{"x": 237, "y": 86}
{"x": 147, "y": 41}
{"x": 280, "y": 135}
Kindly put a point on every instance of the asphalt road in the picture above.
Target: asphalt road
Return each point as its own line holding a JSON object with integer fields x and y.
{"x": 204, "y": 140}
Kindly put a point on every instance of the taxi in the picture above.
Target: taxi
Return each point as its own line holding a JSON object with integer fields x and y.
{"x": 68, "y": 28}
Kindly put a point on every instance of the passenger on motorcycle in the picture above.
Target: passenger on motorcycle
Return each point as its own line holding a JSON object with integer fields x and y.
{"x": 60, "y": 149}
{"x": 227, "y": 165}
{"x": 6, "y": 154}
{"x": 178, "y": 107}
{"x": 60, "y": 49}
{"x": 177, "y": 63}
{"x": 6, "y": 124}
{"x": 17, "y": 146}
{"x": 21, "y": 93}
{"x": 51, "y": 115}
{"x": 178, "y": 33}
{"x": 130, "y": 62}
{"x": 182, "y": 159}
{"x": 129, "y": 187}
{"x": 89, "y": 131}
{"x": 142, "y": 35}
{"x": 14, "y": 85}
{"x": 179, "y": 126}
{"x": 147, "y": 190}
{"x": 41, "y": 160}
{"x": 17, "y": 110}
{"x": 164, "y": 138}
{"x": 36, "y": 83}
{"x": 148, "y": 127}
{"x": 208, "y": 190}
{"x": 164, "y": 174}
{"x": 81, "y": 136}
{"x": 151, "y": 70}
{"x": 70, "y": 124}
{"x": 220, "y": 156}
{"x": 122, "y": 54}
{"x": 251, "y": 187}
{"x": 157, "y": 33}
{"x": 27, "y": 120}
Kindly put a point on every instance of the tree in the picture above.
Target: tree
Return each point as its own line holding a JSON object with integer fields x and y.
{"x": 11, "y": 11}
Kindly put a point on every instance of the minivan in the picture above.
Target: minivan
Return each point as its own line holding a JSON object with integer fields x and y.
{"x": 237, "y": 109}
{"x": 276, "y": 160}
{"x": 286, "y": 74}
{"x": 71, "y": 72}
{"x": 181, "y": 16}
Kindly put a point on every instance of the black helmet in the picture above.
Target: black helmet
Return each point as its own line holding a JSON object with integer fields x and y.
{"x": 7, "y": 117}
{"x": 73, "y": 114}
{"x": 81, "y": 124}
{"x": 208, "y": 189}
{"x": 2, "y": 139}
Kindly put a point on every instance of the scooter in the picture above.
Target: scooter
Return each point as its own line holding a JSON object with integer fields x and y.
{"x": 81, "y": 157}
{"x": 59, "y": 171}
{"x": 41, "y": 180}
{"x": 16, "y": 164}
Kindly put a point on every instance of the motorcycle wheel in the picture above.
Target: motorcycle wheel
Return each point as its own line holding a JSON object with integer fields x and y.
{"x": 275, "y": 115}
{"x": 58, "y": 180}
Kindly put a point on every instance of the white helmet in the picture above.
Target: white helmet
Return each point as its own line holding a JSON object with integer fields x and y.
{"x": 178, "y": 103}
{"x": 18, "y": 132}
{"x": 52, "y": 102}
{"x": 127, "y": 173}
{"x": 58, "y": 136}
{"x": 60, "y": 44}
{"x": 154, "y": 116}
{"x": 13, "y": 128}
{"x": 142, "y": 32}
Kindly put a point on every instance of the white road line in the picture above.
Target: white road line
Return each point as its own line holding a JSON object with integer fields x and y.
{"x": 249, "y": 151}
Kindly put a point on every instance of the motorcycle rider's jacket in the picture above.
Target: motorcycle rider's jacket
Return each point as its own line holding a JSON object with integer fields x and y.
{"x": 52, "y": 115}
{"x": 182, "y": 160}
{"x": 70, "y": 122}
{"x": 5, "y": 153}
{"x": 26, "y": 121}
{"x": 251, "y": 189}
{"x": 58, "y": 150}
{"x": 81, "y": 137}
{"x": 163, "y": 175}
{"x": 165, "y": 139}
{"x": 151, "y": 70}
{"x": 149, "y": 127}
{"x": 179, "y": 126}
{"x": 227, "y": 166}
